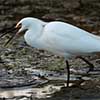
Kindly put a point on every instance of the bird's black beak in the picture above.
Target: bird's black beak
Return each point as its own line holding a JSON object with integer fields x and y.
{"x": 12, "y": 30}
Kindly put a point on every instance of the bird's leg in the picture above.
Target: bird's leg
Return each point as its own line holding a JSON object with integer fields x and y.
{"x": 68, "y": 73}
{"x": 91, "y": 66}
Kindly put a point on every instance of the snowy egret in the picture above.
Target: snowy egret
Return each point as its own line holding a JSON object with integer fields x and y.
{"x": 59, "y": 38}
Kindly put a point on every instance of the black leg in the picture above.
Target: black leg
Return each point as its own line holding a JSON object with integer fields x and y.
{"x": 68, "y": 73}
{"x": 91, "y": 66}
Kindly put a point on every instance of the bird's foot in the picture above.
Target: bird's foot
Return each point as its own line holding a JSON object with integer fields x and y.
{"x": 91, "y": 68}
{"x": 75, "y": 85}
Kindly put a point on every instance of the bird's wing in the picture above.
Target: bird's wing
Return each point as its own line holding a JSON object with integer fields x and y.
{"x": 66, "y": 30}
{"x": 66, "y": 37}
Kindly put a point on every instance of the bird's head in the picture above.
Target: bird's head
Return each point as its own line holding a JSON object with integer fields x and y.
{"x": 21, "y": 27}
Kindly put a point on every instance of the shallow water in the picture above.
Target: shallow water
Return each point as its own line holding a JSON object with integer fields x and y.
{"x": 55, "y": 81}
{"x": 38, "y": 91}
{"x": 43, "y": 92}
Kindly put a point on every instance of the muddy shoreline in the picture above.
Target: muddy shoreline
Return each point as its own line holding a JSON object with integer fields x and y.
{"x": 84, "y": 14}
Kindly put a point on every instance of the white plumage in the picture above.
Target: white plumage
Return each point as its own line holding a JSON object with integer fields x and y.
{"x": 59, "y": 38}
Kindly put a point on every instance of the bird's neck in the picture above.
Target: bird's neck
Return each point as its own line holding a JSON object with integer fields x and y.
{"x": 33, "y": 34}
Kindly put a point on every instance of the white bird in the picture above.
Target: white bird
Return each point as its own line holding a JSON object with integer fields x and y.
{"x": 60, "y": 38}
